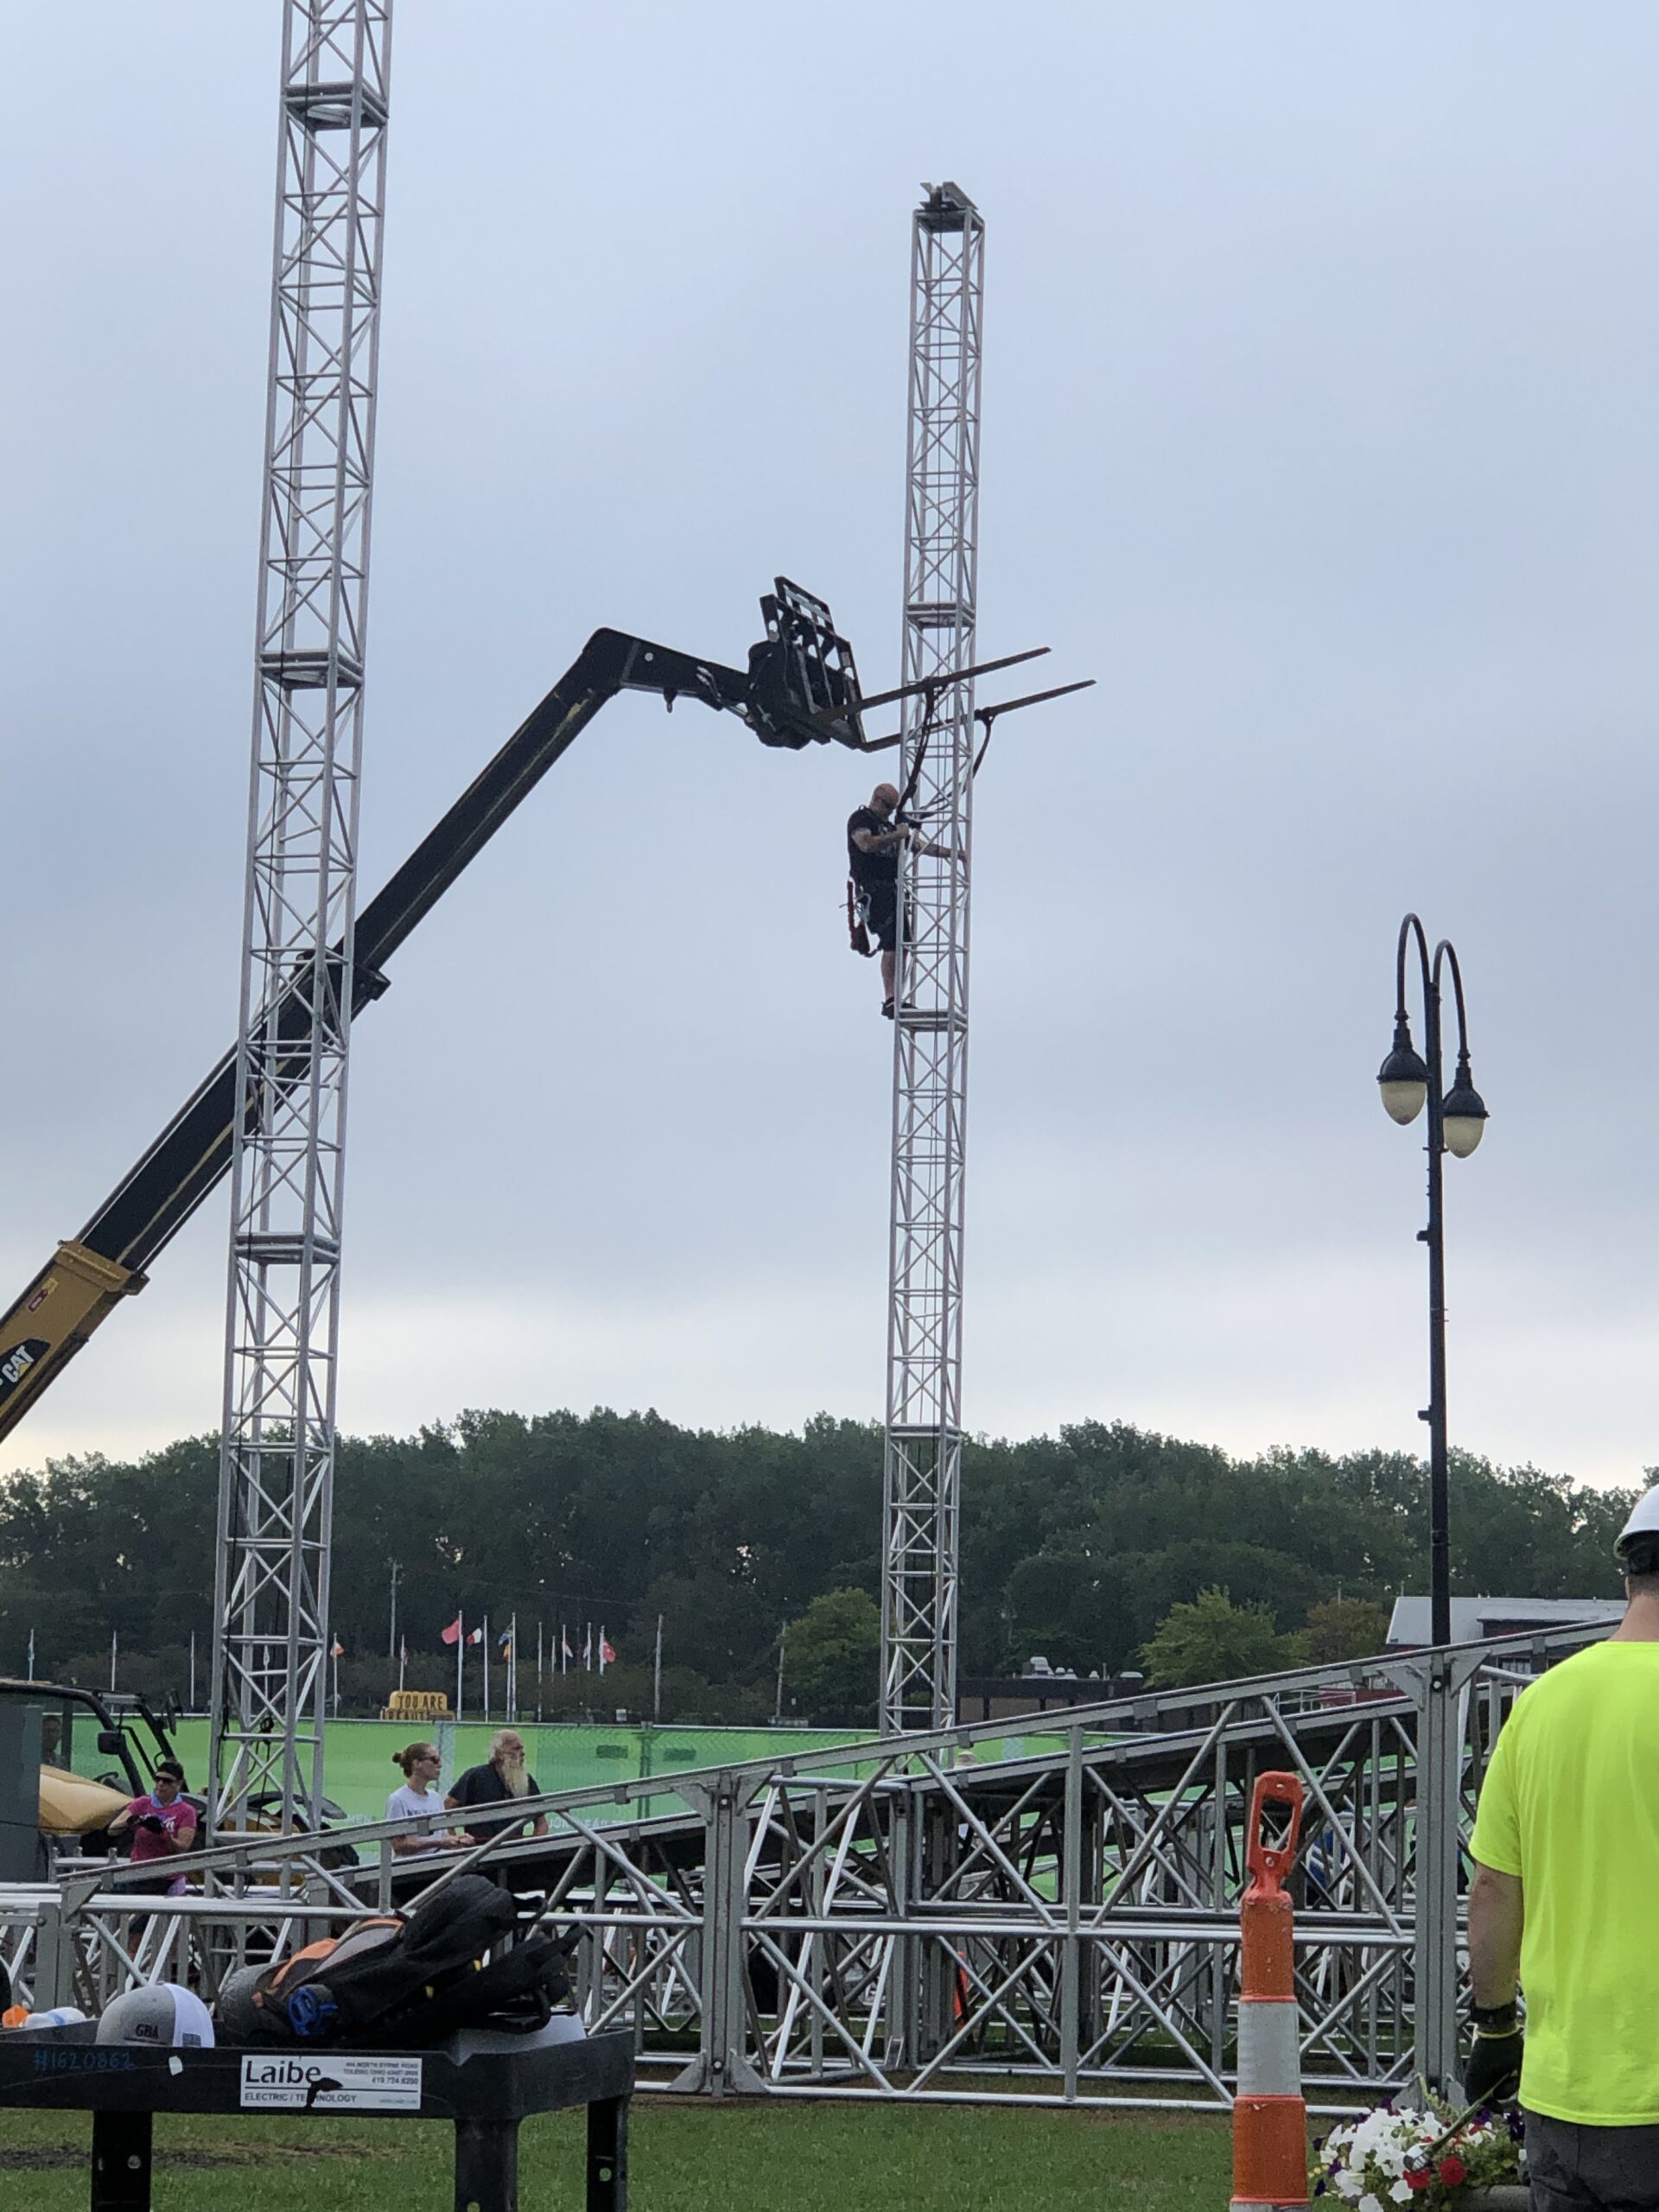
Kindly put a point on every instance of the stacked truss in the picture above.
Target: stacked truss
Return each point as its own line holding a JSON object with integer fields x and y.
{"x": 923, "y": 1444}
{"x": 276, "y": 1466}
{"x": 1052, "y": 1918}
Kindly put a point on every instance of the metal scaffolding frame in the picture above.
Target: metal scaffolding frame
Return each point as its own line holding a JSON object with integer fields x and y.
{"x": 278, "y": 1455}
{"x": 1036, "y": 1911}
{"x": 922, "y": 1457}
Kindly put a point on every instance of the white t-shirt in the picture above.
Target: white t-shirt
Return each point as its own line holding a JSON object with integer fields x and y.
{"x": 408, "y": 1804}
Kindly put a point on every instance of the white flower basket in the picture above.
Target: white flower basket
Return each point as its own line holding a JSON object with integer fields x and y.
{"x": 1427, "y": 2156}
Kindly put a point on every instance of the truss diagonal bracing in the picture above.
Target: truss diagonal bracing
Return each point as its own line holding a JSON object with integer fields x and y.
{"x": 276, "y": 1468}
{"x": 923, "y": 1448}
{"x": 1049, "y": 1915}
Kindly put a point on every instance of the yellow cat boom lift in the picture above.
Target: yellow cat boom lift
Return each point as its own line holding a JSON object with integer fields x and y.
{"x": 800, "y": 688}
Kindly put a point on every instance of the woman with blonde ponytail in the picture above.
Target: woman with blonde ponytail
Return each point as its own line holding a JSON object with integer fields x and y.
{"x": 416, "y": 1798}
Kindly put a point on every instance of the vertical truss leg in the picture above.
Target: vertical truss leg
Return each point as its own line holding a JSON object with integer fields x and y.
{"x": 923, "y": 1448}
{"x": 278, "y": 1456}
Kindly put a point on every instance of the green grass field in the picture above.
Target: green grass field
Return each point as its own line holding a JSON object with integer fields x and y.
{"x": 359, "y": 1773}
{"x": 685, "y": 2158}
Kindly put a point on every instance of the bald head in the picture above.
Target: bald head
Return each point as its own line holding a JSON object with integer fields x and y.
{"x": 884, "y": 798}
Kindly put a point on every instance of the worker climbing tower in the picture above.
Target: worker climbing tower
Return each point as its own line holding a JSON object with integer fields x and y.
{"x": 923, "y": 1454}
{"x": 277, "y": 1455}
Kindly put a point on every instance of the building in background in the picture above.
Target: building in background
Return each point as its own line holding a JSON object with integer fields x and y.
{"x": 1475, "y": 1617}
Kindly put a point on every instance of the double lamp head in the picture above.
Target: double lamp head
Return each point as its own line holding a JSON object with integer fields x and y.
{"x": 1403, "y": 1080}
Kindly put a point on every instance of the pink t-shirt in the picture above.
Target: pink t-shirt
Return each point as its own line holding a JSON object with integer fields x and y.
{"x": 146, "y": 1844}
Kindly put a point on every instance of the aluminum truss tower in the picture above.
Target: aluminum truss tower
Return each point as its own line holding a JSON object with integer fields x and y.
{"x": 922, "y": 1474}
{"x": 276, "y": 1464}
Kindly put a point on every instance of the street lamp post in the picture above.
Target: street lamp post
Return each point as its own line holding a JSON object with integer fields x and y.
{"x": 1457, "y": 1119}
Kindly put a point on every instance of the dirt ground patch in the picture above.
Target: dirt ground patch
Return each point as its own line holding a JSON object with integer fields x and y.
{"x": 44, "y": 2158}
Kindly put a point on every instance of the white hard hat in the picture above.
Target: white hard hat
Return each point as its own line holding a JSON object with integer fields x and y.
{"x": 1643, "y": 1522}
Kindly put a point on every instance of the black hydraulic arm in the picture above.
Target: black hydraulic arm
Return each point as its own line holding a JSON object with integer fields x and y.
{"x": 800, "y": 687}
{"x": 158, "y": 1195}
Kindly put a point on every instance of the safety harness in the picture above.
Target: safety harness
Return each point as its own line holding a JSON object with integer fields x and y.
{"x": 858, "y": 901}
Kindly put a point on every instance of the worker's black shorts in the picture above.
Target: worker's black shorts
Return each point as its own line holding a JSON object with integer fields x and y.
{"x": 154, "y": 1885}
{"x": 1577, "y": 2169}
{"x": 881, "y": 904}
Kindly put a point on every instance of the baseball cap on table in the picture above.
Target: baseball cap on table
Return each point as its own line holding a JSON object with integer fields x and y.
{"x": 164, "y": 2015}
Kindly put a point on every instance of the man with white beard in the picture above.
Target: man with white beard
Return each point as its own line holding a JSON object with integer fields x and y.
{"x": 505, "y": 1778}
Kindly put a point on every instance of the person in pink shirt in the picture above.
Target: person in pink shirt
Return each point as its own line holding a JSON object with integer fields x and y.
{"x": 163, "y": 1824}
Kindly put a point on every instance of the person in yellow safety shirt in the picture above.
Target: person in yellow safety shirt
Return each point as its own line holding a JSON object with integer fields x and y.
{"x": 1567, "y": 1871}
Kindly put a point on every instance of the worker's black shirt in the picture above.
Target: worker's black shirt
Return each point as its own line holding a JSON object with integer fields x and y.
{"x": 868, "y": 869}
{"x": 483, "y": 1785}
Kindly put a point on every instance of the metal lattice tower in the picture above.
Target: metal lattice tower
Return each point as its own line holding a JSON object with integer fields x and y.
{"x": 276, "y": 1464}
{"x": 922, "y": 1476}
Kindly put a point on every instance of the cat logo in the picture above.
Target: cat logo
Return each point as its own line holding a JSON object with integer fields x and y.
{"x": 15, "y": 1364}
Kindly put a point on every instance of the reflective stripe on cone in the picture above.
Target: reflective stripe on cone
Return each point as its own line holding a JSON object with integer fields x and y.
{"x": 1269, "y": 2118}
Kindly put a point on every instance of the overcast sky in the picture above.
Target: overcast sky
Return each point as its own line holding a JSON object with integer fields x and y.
{"x": 1319, "y": 424}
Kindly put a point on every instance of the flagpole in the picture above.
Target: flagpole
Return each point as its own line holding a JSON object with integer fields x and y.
{"x": 391, "y": 1638}
{"x": 460, "y": 1654}
{"x": 403, "y": 1659}
{"x": 538, "y": 1671}
{"x": 601, "y": 1650}
{"x": 486, "y": 1670}
{"x": 657, "y": 1676}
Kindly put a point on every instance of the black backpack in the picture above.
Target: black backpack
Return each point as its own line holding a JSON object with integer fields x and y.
{"x": 400, "y": 1981}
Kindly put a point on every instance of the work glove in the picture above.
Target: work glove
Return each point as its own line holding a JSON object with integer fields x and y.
{"x": 1492, "y": 2075}
{"x": 154, "y": 1823}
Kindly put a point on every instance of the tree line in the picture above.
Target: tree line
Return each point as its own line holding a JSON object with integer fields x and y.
{"x": 1077, "y": 1546}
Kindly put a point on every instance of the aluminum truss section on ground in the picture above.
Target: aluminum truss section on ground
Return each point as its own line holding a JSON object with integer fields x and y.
{"x": 1043, "y": 1917}
{"x": 277, "y": 1469}
{"x": 922, "y": 1445}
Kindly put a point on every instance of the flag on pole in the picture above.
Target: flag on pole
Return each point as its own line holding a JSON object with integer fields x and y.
{"x": 337, "y": 1650}
{"x": 588, "y": 1648}
{"x": 474, "y": 1636}
{"x": 607, "y": 1651}
{"x": 506, "y": 1639}
{"x": 564, "y": 1645}
{"x": 452, "y": 1634}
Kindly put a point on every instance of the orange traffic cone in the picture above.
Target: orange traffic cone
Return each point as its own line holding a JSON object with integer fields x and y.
{"x": 1269, "y": 2119}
